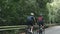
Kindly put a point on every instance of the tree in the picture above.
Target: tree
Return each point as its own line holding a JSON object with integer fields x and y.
{"x": 14, "y": 12}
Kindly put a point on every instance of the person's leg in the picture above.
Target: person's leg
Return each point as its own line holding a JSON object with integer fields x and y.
{"x": 42, "y": 24}
{"x": 29, "y": 26}
{"x": 32, "y": 27}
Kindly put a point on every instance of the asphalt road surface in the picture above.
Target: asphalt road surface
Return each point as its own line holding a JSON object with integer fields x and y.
{"x": 51, "y": 30}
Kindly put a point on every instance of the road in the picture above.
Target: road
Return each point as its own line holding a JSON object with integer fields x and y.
{"x": 51, "y": 30}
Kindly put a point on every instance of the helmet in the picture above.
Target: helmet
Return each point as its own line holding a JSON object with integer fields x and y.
{"x": 40, "y": 15}
{"x": 32, "y": 13}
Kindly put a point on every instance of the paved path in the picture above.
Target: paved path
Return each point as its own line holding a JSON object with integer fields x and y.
{"x": 51, "y": 30}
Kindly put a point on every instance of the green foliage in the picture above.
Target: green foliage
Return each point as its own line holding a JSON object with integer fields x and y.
{"x": 14, "y": 12}
{"x": 54, "y": 11}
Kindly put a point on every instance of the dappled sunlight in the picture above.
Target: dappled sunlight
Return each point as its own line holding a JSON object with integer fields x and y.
{"x": 53, "y": 8}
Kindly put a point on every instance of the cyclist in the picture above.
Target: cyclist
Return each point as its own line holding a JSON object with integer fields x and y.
{"x": 30, "y": 21}
{"x": 40, "y": 21}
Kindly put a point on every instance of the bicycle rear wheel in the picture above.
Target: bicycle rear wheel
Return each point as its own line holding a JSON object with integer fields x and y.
{"x": 40, "y": 30}
{"x": 28, "y": 31}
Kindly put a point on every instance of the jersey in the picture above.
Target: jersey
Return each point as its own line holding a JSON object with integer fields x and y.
{"x": 40, "y": 18}
{"x": 30, "y": 18}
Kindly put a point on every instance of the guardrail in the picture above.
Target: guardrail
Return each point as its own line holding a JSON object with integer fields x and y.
{"x": 2, "y": 28}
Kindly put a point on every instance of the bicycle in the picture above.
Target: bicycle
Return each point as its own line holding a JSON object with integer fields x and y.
{"x": 28, "y": 30}
{"x": 40, "y": 30}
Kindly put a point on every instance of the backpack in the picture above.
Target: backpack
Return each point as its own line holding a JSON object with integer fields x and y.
{"x": 30, "y": 18}
{"x": 40, "y": 18}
